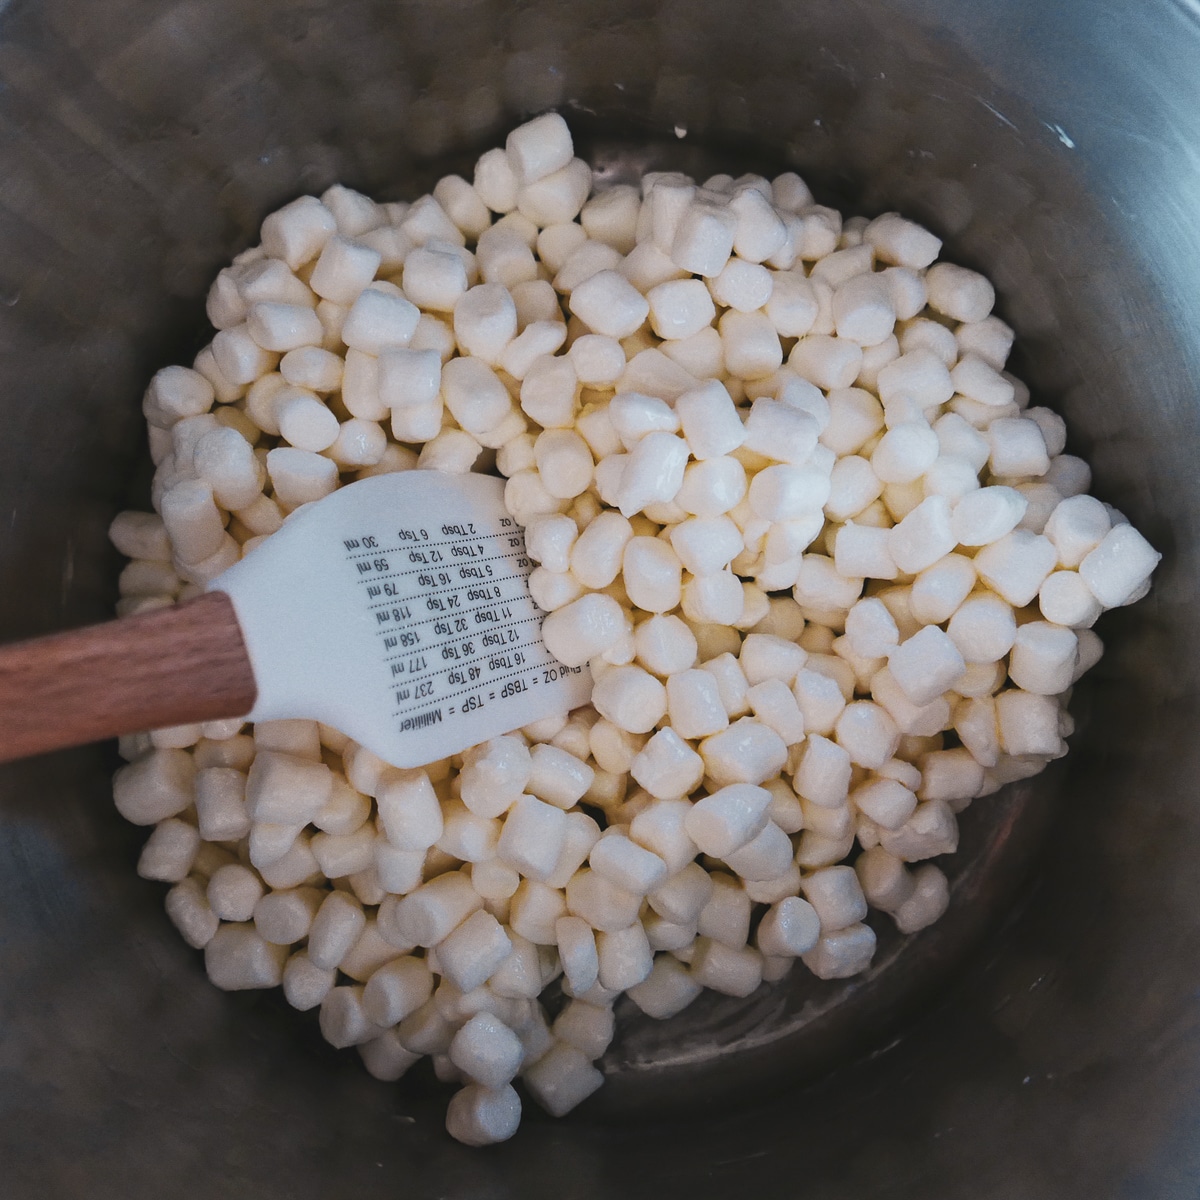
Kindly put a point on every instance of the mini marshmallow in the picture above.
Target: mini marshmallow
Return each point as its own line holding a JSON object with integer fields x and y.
{"x": 704, "y": 238}
{"x": 609, "y": 305}
{"x": 532, "y": 838}
{"x": 1076, "y": 527}
{"x": 726, "y": 917}
{"x": 939, "y": 590}
{"x": 836, "y": 896}
{"x": 667, "y": 767}
{"x": 485, "y": 321}
{"x": 905, "y": 452}
{"x": 828, "y": 362}
{"x": 905, "y": 243}
{"x": 733, "y": 972}
{"x": 1016, "y": 565}
{"x": 867, "y": 733}
{"x": 1065, "y": 599}
{"x": 298, "y": 231}
{"x": 667, "y": 990}
{"x": 923, "y": 536}
{"x": 959, "y": 293}
{"x": 861, "y": 551}
{"x": 604, "y": 905}
{"x": 781, "y": 431}
{"x": 380, "y": 319}
{"x": 486, "y": 1050}
{"x": 863, "y": 310}
{"x": 984, "y": 629}
{"x": 556, "y": 198}
{"x": 926, "y": 665}
{"x": 631, "y": 698}
{"x": 628, "y": 865}
{"x": 764, "y": 656}
{"x": 399, "y": 988}
{"x": 953, "y": 776}
{"x": 1043, "y": 658}
{"x": 561, "y": 1079}
{"x": 871, "y": 629}
{"x": 1017, "y": 447}
{"x": 929, "y": 900}
{"x": 557, "y": 776}
{"x": 343, "y": 270}
{"x": 428, "y": 914}
{"x": 792, "y": 308}
{"x": 236, "y": 957}
{"x": 980, "y": 381}
{"x": 887, "y": 802}
{"x": 680, "y": 308}
{"x": 664, "y": 645}
{"x": 750, "y": 344}
{"x": 743, "y": 286}
{"x": 694, "y": 704}
{"x": 728, "y": 819}
{"x": 300, "y": 476}
{"x": 774, "y": 705}
{"x": 1119, "y": 566}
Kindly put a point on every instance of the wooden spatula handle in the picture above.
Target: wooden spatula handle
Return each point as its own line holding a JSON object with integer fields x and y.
{"x": 169, "y": 667}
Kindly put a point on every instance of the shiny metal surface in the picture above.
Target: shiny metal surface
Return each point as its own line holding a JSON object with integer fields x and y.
{"x": 1044, "y": 1040}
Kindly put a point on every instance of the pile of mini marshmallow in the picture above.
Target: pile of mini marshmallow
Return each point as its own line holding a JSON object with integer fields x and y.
{"x": 833, "y": 577}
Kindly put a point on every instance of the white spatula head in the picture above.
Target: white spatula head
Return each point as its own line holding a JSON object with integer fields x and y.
{"x": 397, "y": 610}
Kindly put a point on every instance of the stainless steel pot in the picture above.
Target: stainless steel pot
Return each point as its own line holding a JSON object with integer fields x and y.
{"x": 1044, "y": 1041}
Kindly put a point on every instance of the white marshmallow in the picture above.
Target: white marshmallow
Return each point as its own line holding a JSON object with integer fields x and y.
{"x": 959, "y": 293}
{"x": 704, "y": 238}
{"x": 608, "y": 304}
{"x": 728, "y": 819}
{"x": 487, "y": 1051}
{"x": 1016, "y": 565}
{"x": 557, "y": 198}
{"x": 561, "y": 1079}
{"x": 926, "y": 665}
{"x": 863, "y": 310}
{"x": 632, "y": 699}
{"x": 980, "y": 381}
{"x": 905, "y": 452}
{"x": 984, "y": 628}
{"x": 557, "y": 777}
{"x": 667, "y": 767}
{"x": 667, "y": 990}
{"x": 539, "y": 147}
{"x": 651, "y": 573}
{"x": 380, "y": 319}
{"x": 1116, "y": 570}
{"x": 923, "y": 536}
{"x": 1043, "y": 658}
{"x": 680, "y": 308}
{"x": 236, "y": 957}
{"x": 1065, "y": 599}
{"x": 733, "y": 972}
{"x": 744, "y": 286}
{"x": 485, "y": 322}
{"x": 584, "y": 629}
{"x": 867, "y": 733}
{"x": 343, "y": 269}
{"x": 939, "y": 590}
{"x": 1076, "y": 527}
{"x": 1028, "y": 724}
{"x": 750, "y": 344}
{"x": 1017, "y": 447}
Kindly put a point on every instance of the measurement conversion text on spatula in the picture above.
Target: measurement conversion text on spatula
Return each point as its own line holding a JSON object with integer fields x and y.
{"x": 405, "y": 620}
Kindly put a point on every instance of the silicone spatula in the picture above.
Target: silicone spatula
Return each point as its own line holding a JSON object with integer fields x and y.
{"x": 396, "y": 610}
